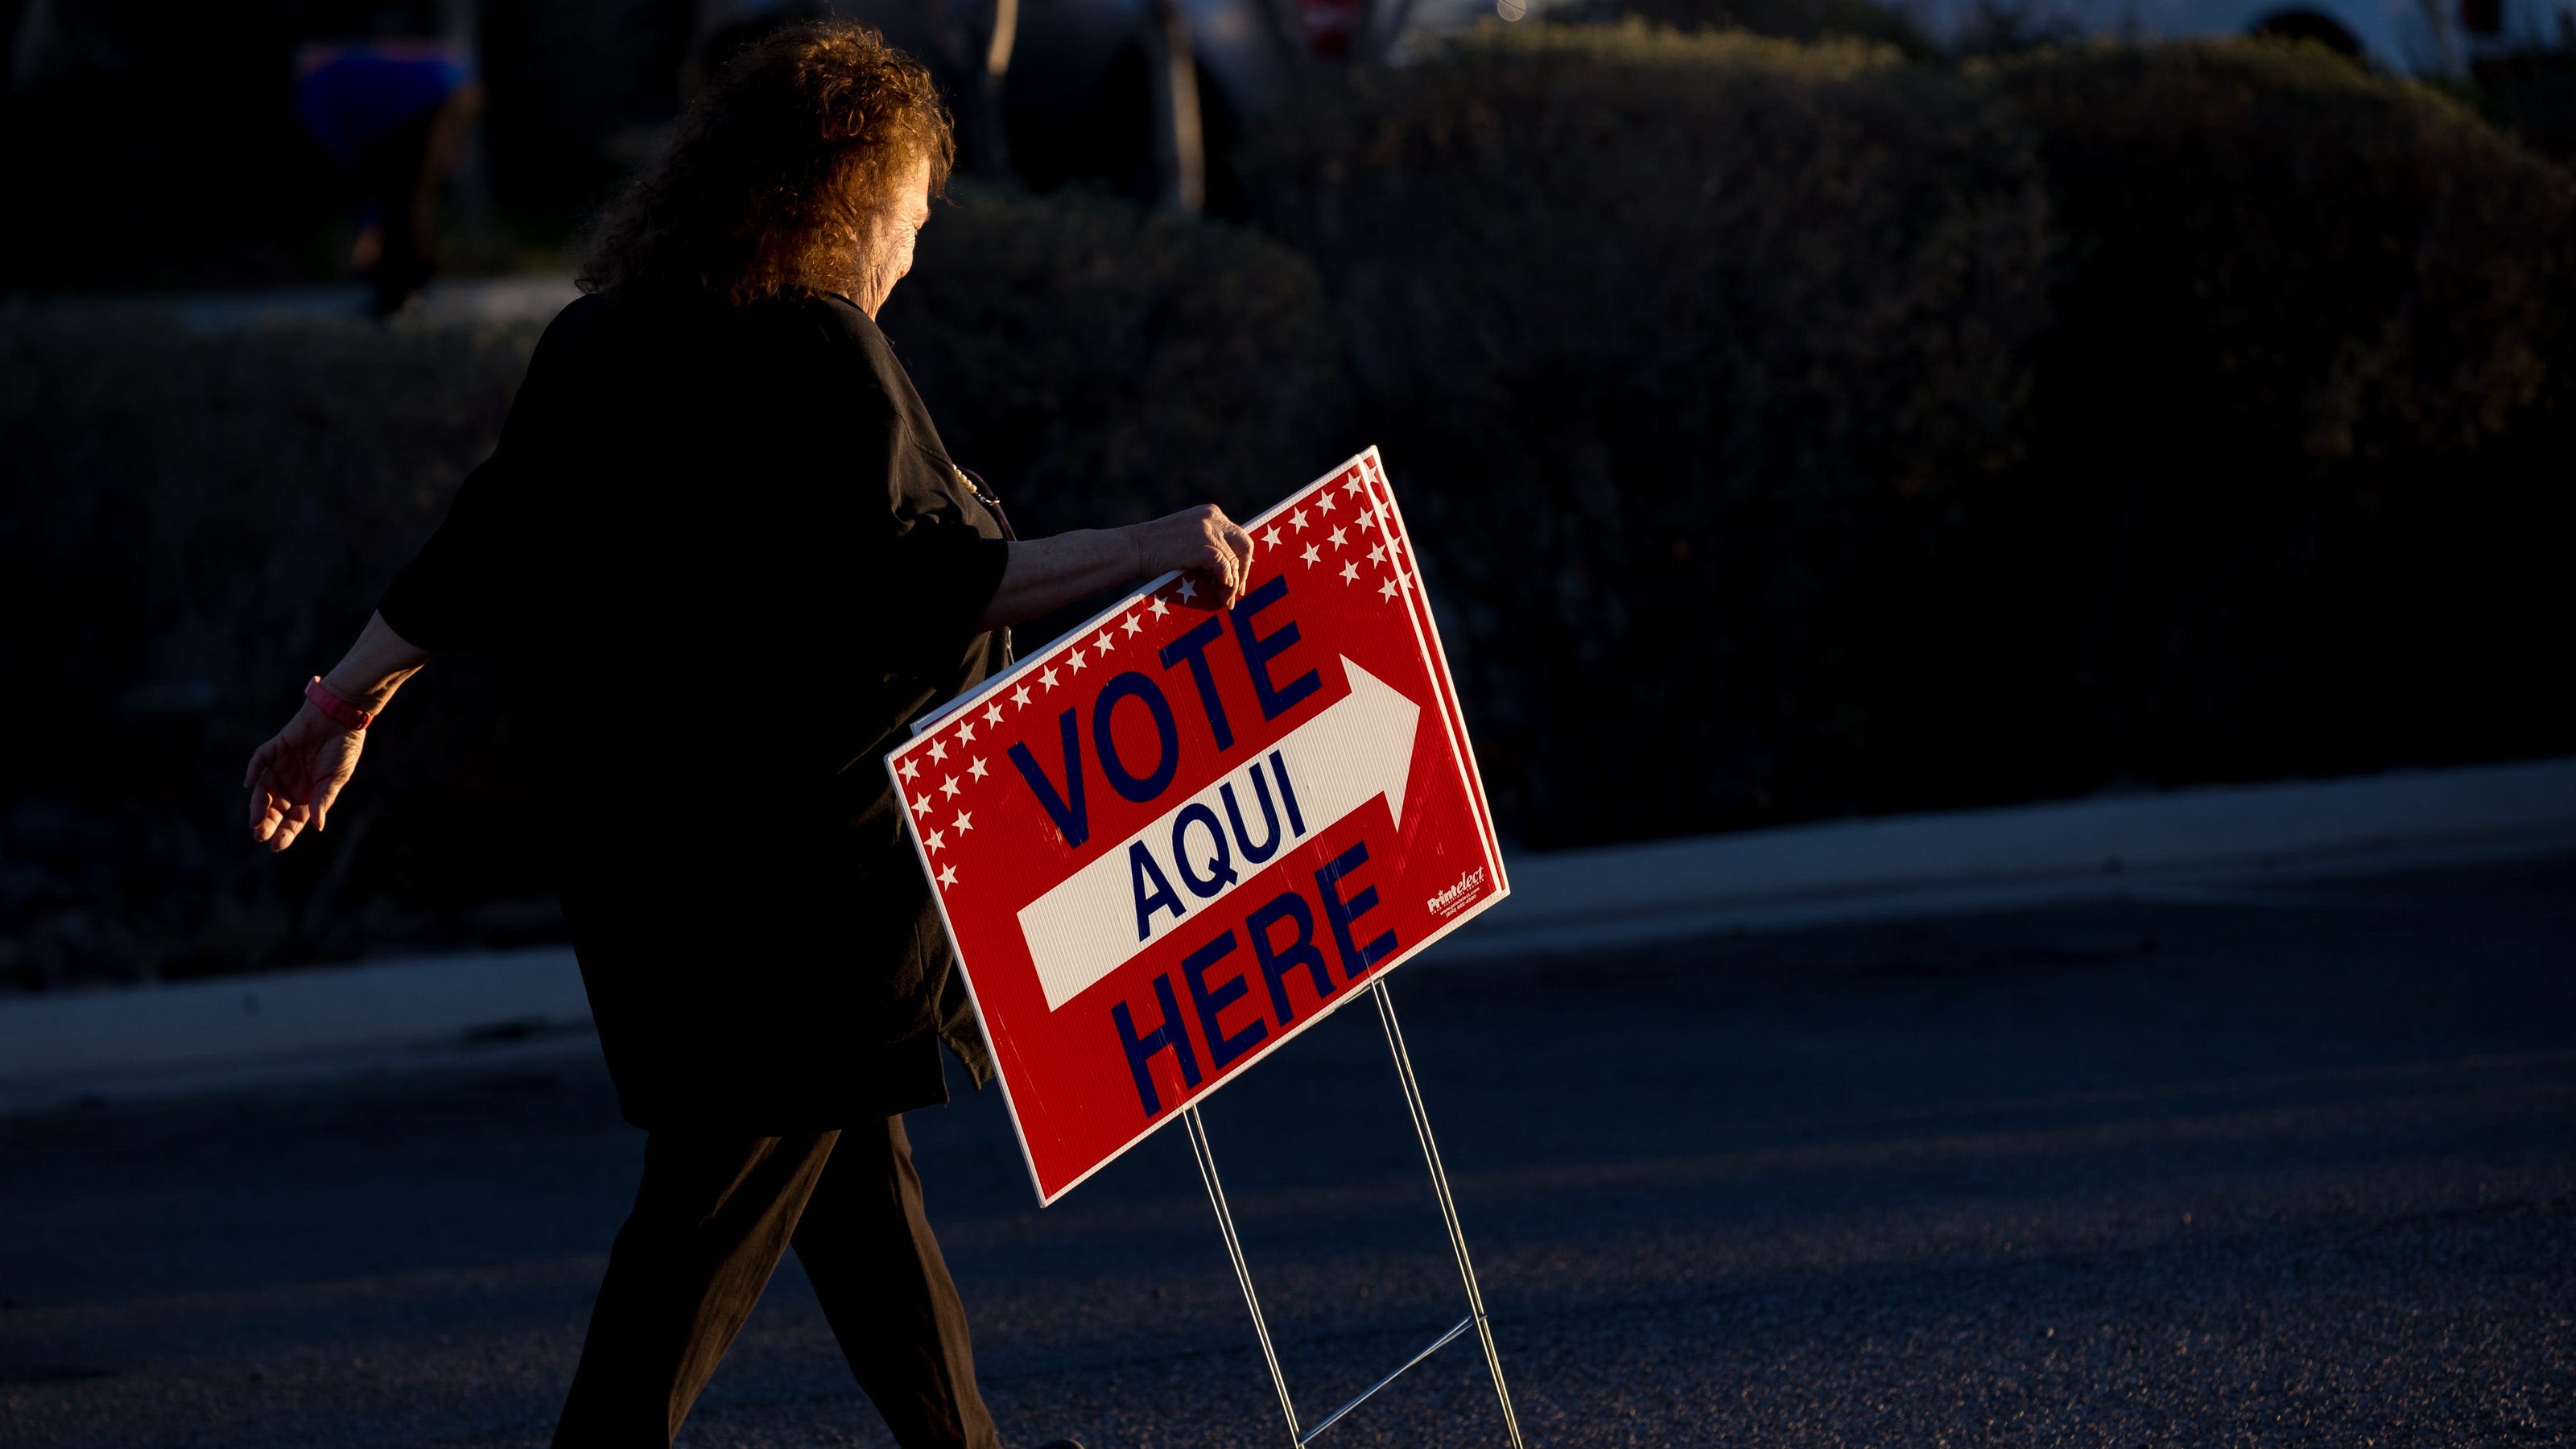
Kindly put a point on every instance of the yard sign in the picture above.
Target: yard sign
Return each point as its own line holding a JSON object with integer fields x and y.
{"x": 1180, "y": 836}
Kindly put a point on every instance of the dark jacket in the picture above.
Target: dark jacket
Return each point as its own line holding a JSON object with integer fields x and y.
{"x": 733, "y": 559}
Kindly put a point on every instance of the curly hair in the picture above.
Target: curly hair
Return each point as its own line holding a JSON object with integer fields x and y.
{"x": 777, "y": 171}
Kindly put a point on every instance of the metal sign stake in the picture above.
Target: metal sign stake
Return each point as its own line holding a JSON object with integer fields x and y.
{"x": 1475, "y": 1318}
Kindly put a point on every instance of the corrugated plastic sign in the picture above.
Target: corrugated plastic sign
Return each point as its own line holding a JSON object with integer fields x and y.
{"x": 1180, "y": 835}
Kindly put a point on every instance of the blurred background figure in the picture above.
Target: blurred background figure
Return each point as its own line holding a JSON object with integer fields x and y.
{"x": 394, "y": 114}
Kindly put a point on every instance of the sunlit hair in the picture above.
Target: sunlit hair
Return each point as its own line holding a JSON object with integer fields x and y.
{"x": 777, "y": 171}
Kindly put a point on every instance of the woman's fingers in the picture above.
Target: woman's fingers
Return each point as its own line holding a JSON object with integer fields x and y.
{"x": 268, "y": 804}
{"x": 1241, "y": 542}
{"x": 1217, "y": 553}
{"x": 1230, "y": 550}
{"x": 292, "y": 826}
{"x": 274, "y": 811}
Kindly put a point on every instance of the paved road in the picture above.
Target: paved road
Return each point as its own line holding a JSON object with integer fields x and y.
{"x": 2289, "y": 1166}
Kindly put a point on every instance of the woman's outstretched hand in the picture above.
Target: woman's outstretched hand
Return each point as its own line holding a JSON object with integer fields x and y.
{"x": 295, "y": 776}
{"x": 1201, "y": 542}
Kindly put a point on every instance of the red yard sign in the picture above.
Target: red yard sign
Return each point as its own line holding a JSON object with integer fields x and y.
{"x": 1177, "y": 837}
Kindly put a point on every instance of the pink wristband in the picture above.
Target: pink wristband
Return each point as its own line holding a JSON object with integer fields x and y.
{"x": 339, "y": 711}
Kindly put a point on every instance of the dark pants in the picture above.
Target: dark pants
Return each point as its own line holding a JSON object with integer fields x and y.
{"x": 710, "y": 1221}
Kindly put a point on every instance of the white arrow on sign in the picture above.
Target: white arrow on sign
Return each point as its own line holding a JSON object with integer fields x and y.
{"x": 1355, "y": 751}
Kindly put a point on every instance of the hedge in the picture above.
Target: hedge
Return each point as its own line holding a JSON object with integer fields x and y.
{"x": 1685, "y": 351}
{"x": 191, "y": 524}
{"x": 1869, "y": 21}
{"x": 1792, "y": 431}
{"x": 1103, "y": 365}
{"x": 2305, "y": 415}
{"x": 1800, "y": 434}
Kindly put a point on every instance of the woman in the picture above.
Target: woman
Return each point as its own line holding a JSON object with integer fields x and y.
{"x": 722, "y": 534}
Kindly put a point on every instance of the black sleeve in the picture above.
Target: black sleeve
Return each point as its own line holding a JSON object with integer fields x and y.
{"x": 916, "y": 567}
{"x": 470, "y": 587}
{"x": 460, "y": 591}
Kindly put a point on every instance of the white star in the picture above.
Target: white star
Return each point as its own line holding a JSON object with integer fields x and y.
{"x": 1270, "y": 536}
{"x": 948, "y": 787}
{"x": 1337, "y": 538}
{"x": 1103, "y": 642}
{"x": 1405, "y": 581}
{"x": 1377, "y": 553}
{"x": 1131, "y": 626}
{"x": 1020, "y": 695}
{"x": 976, "y": 770}
{"x": 1367, "y": 519}
{"x": 1350, "y": 573}
{"x": 1297, "y": 520}
{"x": 948, "y": 875}
{"x": 1047, "y": 679}
{"x": 921, "y": 806}
{"x": 936, "y": 840}
{"x": 1310, "y": 555}
{"x": 1386, "y": 590}
{"x": 938, "y": 750}
{"x": 1077, "y": 661}
{"x": 993, "y": 716}
{"x": 1189, "y": 591}
{"x": 966, "y": 733}
{"x": 1159, "y": 607}
{"x": 965, "y": 822}
{"x": 1353, "y": 486}
{"x": 1324, "y": 501}
{"x": 911, "y": 768}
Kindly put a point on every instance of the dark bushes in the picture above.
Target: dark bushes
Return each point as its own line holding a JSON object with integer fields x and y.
{"x": 1102, "y": 365}
{"x": 1792, "y": 432}
{"x": 189, "y": 527}
{"x": 2304, "y": 420}
{"x": 1807, "y": 20}
{"x": 2533, "y": 96}
{"x": 1688, "y": 348}
{"x": 1799, "y": 433}
{"x": 192, "y": 524}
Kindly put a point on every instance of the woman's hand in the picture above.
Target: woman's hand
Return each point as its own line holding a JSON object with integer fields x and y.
{"x": 1049, "y": 573}
{"x": 295, "y": 776}
{"x": 1201, "y": 542}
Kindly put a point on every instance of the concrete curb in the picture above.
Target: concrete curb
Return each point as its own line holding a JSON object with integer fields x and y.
{"x": 1984, "y": 859}
{"x": 149, "y": 1041}
{"x": 164, "y": 1040}
{"x": 443, "y": 302}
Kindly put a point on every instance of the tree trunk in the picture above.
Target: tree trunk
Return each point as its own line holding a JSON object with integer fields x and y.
{"x": 1001, "y": 32}
{"x": 1180, "y": 146}
{"x": 978, "y": 56}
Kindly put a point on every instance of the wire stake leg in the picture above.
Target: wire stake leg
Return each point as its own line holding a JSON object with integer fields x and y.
{"x": 1243, "y": 1273}
{"x": 1448, "y": 1215}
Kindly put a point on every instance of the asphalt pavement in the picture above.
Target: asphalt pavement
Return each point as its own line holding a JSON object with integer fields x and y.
{"x": 2288, "y": 1164}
